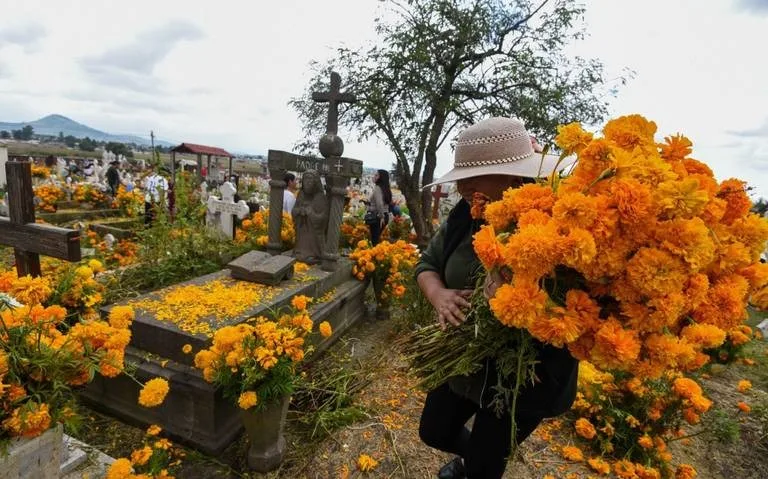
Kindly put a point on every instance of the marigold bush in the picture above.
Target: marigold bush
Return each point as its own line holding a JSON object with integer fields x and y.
{"x": 130, "y": 203}
{"x": 88, "y": 193}
{"x": 255, "y": 362}
{"x": 155, "y": 459}
{"x": 47, "y": 196}
{"x": 388, "y": 262}
{"x": 255, "y": 230}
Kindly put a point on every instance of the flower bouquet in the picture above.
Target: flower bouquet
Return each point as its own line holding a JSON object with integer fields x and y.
{"x": 637, "y": 261}
{"x": 255, "y": 365}
{"x": 155, "y": 459}
{"x": 130, "y": 203}
{"x": 386, "y": 264}
{"x": 48, "y": 195}
{"x": 255, "y": 230}
{"x": 91, "y": 195}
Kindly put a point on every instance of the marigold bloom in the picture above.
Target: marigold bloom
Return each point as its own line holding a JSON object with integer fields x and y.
{"x": 654, "y": 272}
{"x": 572, "y": 453}
{"x": 744, "y": 385}
{"x": 153, "y": 393}
{"x": 325, "y": 329}
{"x": 518, "y": 305}
{"x": 686, "y": 388}
{"x": 703, "y": 335}
{"x": 139, "y": 457}
{"x": 599, "y": 466}
{"x": 247, "y": 400}
{"x": 676, "y": 148}
{"x": 154, "y": 430}
{"x": 120, "y": 469}
{"x": 572, "y": 138}
{"x": 630, "y": 131}
{"x": 681, "y": 198}
{"x": 186, "y": 349}
{"x": 738, "y": 204}
{"x": 645, "y": 441}
{"x": 121, "y": 316}
{"x": 366, "y": 463}
{"x": 624, "y": 469}
{"x": 487, "y": 247}
{"x": 29, "y": 420}
{"x": 744, "y": 407}
{"x": 634, "y": 201}
{"x": 685, "y": 471}
{"x": 300, "y": 302}
{"x": 575, "y": 210}
{"x": 615, "y": 347}
{"x": 584, "y": 428}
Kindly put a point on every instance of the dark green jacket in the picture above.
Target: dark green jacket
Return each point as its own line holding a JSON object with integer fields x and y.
{"x": 557, "y": 371}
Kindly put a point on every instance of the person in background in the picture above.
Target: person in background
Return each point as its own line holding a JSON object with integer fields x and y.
{"x": 289, "y": 193}
{"x": 490, "y": 157}
{"x": 155, "y": 188}
{"x": 113, "y": 177}
{"x": 379, "y": 205}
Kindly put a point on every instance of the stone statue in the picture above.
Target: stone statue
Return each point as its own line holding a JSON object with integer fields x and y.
{"x": 310, "y": 218}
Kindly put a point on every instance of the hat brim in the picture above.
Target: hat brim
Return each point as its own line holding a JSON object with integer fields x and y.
{"x": 534, "y": 166}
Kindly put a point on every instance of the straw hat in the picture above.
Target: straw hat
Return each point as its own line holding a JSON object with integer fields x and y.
{"x": 499, "y": 146}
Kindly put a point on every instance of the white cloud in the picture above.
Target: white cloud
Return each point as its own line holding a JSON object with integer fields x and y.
{"x": 25, "y": 35}
{"x": 756, "y": 6}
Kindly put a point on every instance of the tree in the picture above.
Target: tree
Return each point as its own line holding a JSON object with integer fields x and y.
{"x": 27, "y": 132}
{"x": 86, "y": 144}
{"x": 61, "y": 136}
{"x": 4, "y": 135}
{"x": 70, "y": 141}
{"x": 760, "y": 206}
{"x": 441, "y": 65}
{"x": 119, "y": 149}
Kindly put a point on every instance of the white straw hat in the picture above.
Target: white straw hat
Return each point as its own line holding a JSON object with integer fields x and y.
{"x": 499, "y": 146}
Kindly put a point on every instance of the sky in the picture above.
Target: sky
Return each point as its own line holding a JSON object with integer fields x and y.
{"x": 222, "y": 73}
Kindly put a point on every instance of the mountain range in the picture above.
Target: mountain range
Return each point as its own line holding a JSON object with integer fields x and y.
{"x": 52, "y": 125}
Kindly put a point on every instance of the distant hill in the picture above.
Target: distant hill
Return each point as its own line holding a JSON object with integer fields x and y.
{"x": 51, "y": 125}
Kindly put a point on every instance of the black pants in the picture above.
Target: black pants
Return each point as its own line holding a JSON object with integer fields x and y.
{"x": 149, "y": 213}
{"x": 484, "y": 449}
{"x": 376, "y": 229}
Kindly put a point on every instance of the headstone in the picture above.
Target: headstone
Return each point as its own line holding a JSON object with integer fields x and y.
{"x": 437, "y": 195}
{"x": 260, "y": 267}
{"x": 225, "y": 208}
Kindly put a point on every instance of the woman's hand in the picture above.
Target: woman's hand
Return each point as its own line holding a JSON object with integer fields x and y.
{"x": 492, "y": 282}
{"x": 449, "y": 303}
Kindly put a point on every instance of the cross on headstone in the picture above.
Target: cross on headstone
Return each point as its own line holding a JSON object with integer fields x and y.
{"x": 333, "y": 98}
{"x": 29, "y": 239}
{"x": 437, "y": 194}
{"x": 339, "y": 165}
{"x": 227, "y": 208}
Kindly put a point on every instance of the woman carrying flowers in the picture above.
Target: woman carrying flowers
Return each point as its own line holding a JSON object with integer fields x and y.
{"x": 491, "y": 156}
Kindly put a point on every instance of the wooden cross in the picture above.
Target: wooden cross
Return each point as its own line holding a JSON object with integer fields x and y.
{"x": 29, "y": 239}
{"x": 333, "y": 98}
{"x": 437, "y": 194}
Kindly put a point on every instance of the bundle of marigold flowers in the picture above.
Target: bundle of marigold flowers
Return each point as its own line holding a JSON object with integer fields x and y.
{"x": 48, "y": 195}
{"x": 398, "y": 229}
{"x": 255, "y": 230}
{"x": 88, "y": 193}
{"x": 353, "y": 231}
{"x": 47, "y": 368}
{"x": 388, "y": 263}
{"x": 255, "y": 362}
{"x": 40, "y": 171}
{"x": 638, "y": 261}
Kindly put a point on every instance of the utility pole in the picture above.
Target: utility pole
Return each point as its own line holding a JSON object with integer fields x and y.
{"x": 152, "y": 139}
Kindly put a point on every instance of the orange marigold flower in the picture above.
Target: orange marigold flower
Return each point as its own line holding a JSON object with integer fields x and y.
{"x": 630, "y": 131}
{"x": 681, "y": 198}
{"x": 615, "y": 347}
{"x": 734, "y": 193}
{"x": 575, "y": 210}
{"x": 325, "y": 329}
{"x": 703, "y": 335}
{"x": 139, "y": 457}
{"x": 744, "y": 407}
{"x": 676, "y": 148}
{"x": 153, "y": 393}
{"x": 534, "y": 250}
{"x": 572, "y": 453}
{"x": 300, "y": 302}
{"x": 154, "y": 430}
{"x": 572, "y": 138}
{"x": 247, "y": 400}
{"x": 686, "y": 388}
{"x": 120, "y": 469}
{"x": 685, "y": 471}
{"x": 517, "y": 201}
{"x": 654, "y": 272}
{"x": 557, "y": 330}
{"x": 744, "y": 385}
{"x": 645, "y": 441}
{"x": 488, "y": 248}
{"x": 599, "y": 466}
{"x": 624, "y": 469}
{"x": 518, "y": 305}
{"x": 584, "y": 428}
{"x": 366, "y": 463}
{"x": 634, "y": 201}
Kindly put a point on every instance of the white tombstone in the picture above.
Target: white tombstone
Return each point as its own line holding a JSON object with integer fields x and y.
{"x": 3, "y": 161}
{"x": 110, "y": 241}
{"x": 204, "y": 191}
{"x": 225, "y": 208}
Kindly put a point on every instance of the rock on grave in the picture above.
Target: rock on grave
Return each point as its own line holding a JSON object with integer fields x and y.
{"x": 260, "y": 267}
{"x": 225, "y": 208}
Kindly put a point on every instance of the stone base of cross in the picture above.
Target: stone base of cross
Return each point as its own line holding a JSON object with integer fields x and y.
{"x": 226, "y": 209}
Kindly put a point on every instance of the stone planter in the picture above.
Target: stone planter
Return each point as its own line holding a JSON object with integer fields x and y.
{"x": 37, "y": 458}
{"x": 382, "y": 303}
{"x": 265, "y": 434}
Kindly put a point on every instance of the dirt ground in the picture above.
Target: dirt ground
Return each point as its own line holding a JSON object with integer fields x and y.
{"x": 388, "y": 428}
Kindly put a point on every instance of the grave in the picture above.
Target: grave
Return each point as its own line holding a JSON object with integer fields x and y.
{"x": 221, "y": 211}
{"x": 119, "y": 227}
{"x": 194, "y": 413}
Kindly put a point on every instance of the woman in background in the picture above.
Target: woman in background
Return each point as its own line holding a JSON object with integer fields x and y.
{"x": 379, "y": 204}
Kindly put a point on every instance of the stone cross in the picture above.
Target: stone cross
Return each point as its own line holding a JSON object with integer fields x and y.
{"x": 29, "y": 239}
{"x": 436, "y": 195}
{"x": 333, "y": 98}
{"x": 3, "y": 161}
{"x": 227, "y": 208}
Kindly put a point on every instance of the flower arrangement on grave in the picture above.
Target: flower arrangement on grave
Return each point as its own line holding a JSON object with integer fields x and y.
{"x": 41, "y": 172}
{"x": 155, "y": 459}
{"x": 47, "y": 196}
{"x": 88, "y": 193}
{"x": 130, "y": 203}
{"x": 254, "y": 363}
{"x": 255, "y": 230}
{"x": 353, "y": 231}
{"x": 123, "y": 253}
{"x": 42, "y": 359}
{"x": 637, "y": 262}
{"x": 387, "y": 264}
{"x": 77, "y": 289}
{"x": 399, "y": 228}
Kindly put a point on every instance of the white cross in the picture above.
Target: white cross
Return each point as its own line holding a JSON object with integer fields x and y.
{"x": 339, "y": 166}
